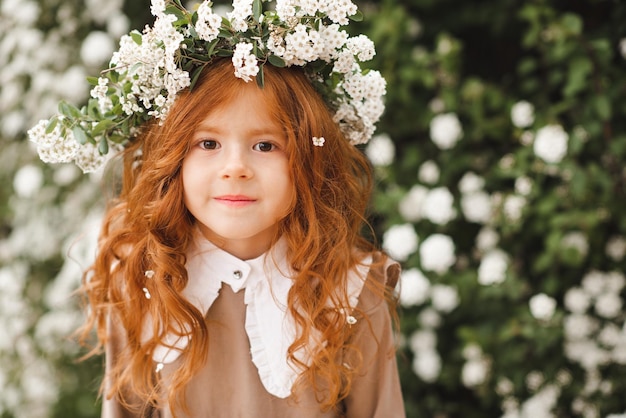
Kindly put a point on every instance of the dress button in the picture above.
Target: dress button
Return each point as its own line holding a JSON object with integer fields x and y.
{"x": 237, "y": 274}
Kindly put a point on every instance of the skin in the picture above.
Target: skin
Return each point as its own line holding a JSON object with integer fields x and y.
{"x": 236, "y": 177}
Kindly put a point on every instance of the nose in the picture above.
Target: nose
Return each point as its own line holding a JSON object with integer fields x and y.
{"x": 236, "y": 164}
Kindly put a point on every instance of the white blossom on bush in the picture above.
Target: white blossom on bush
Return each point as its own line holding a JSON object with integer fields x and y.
{"x": 445, "y": 130}
{"x": 438, "y": 207}
{"x": 426, "y": 360}
{"x": 429, "y": 318}
{"x": 471, "y": 183}
{"x": 428, "y": 172}
{"x": 476, "y": 207}
{"x": 523, "y": 185}
{"x": 493, "y": 267}
{"x": 380, "y": 150}
{"x": 551, "y": 143}
{"x": 513, "y": 206}
{"x": 437, "y": 253}
{"x": 542, "y": 306}
{"x": 487, "y": 239}
{"x": 414, "y": 288}
{"x": 400, "y": 241}
{"x": 410, "y": 207}
{"x": 522, "y": 114}
{"x": 444, "y": 298}
{"x": 622, "y": 47}
{"x": 576, "y": 240}
{"x": 616, "y": 248}
{"x": 28, "y": 181}
{"x": 576, "y": 300}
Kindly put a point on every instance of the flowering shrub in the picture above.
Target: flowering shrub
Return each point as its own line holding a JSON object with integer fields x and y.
{"x": 500, "y": 178}
{"x": 503, "y": 202}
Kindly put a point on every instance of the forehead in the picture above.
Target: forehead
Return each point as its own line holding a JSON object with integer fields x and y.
{"x": 247, "y": 105}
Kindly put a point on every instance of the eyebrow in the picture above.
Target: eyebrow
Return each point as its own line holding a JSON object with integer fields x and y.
{"x": 270, "y": 129}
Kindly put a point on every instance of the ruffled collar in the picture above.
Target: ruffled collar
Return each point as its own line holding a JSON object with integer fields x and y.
{"x": 266, "y": 281}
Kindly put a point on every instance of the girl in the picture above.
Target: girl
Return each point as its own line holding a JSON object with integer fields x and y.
{"x": 231, "y": 270}
{"x": 231, "y": 279}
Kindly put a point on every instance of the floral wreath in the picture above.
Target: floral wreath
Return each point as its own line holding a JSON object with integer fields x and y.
{"x": 151, "y": 68}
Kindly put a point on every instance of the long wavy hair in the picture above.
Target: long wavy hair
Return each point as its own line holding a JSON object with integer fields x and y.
{"x": 148, "y": 227}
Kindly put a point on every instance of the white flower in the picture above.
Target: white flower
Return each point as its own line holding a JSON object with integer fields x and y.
{"x": 492, "y": 268}
{"x": 576, "y": 240}
{"x": 445, "y": 130}
{"x": 622, "y": 47}
{"x": 414, "y": 288}
{"x": 551, "y": 143}
{"x": 474, "y": 373}
{"x": 427, "y": 365}
{"x": 422, "y": 340}
{"x": 523, "y": 185}
{"x": 522, "y": 114}
{"x": 428, "y": 172}
{"x": 28, "y": 181}
{"x": 444, "y": 298}
{"x": 616, "y": 248}
{"x": 476, "y": 207}
{"x": 429, "y": 318}
{"x": 593, "y": 283}
{"x": 242, "y": 9}
{"x": 471, "y": 183}
{"x": 97, "y": 48}
{"x": 608, "y": 305}
{"x": 487, "y": 239}
{"x": 88, "y": 158}
{"x": 610, "y": 335}
{"x": 400, "y": 241}
{"x": 208, "y": 24}
{"x": 576, "y": 300}
{"x": 542, "y": 306}
{"x": 513, "y": 206}
{"x": 578, "y": 326}
{"x": 52, "y": 147}
{"x": 245, "y": 63}
{"x": 410, "y": 207}
{"x": 381, "y": 150}
{"x": 437, "y": 253}
{"x": 437, "y": 206}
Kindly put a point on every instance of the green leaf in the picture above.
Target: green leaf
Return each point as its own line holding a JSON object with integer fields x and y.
{"x": 69, "y": 111}
{"x": 260, "y": 77}
{"x": 276, "y": 61}
{"x": 79, "y": 135}
{"x": 257, "y": 9}
{"x": 224, "y": 53}
{"x": 103, "y": 146}
{"x": 357, "y": 17}
{"x": 52, "y": 123}
{"x": 602, "y": 106}
{"x": 136, "y": 36}
{"x": 92, "y": 80}
{"x": 102, "y": 126}
{"x": 195, "y": 76}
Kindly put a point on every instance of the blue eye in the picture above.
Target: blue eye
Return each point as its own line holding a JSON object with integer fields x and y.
{"x": 208, "y": 144}
{"x": 264, "y": 147}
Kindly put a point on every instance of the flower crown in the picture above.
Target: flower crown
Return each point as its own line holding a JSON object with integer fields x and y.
{"x": 151, "y": 68}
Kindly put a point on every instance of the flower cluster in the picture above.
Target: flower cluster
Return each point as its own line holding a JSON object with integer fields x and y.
{"x": 152, "y": 67}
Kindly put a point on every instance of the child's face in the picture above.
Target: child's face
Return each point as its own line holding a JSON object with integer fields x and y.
{"x": 236, "y": 177}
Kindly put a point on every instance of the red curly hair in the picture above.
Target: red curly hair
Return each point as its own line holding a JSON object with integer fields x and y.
{"x": 148, "y": 227}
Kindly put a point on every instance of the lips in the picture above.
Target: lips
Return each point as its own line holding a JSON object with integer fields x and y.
{"x": 235, "y": 200}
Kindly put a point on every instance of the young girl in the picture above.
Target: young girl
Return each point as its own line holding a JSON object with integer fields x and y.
{"x": 231, "y": 279}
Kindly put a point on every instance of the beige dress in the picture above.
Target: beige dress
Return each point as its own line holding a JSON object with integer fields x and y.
{"x": 235, "y": 381}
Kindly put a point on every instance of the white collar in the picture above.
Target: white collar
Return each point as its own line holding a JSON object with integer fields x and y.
{"x": 266, "y": 281}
